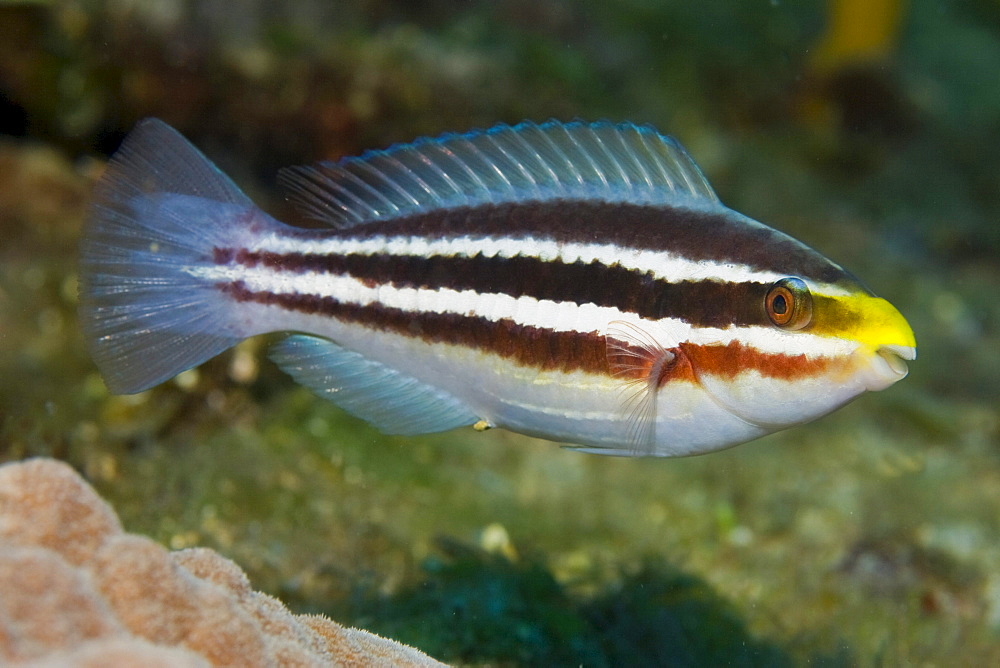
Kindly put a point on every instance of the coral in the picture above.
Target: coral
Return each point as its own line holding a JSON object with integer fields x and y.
{"x": 76, "y": 590}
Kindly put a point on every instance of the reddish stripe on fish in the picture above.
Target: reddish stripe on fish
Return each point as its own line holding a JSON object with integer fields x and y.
{"x": 536, "y": 347}
{"x": 728, "y": 361}
{"x": 525, "y": 345}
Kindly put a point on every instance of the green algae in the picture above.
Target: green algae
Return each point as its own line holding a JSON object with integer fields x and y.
{"x": 472, "y": 607}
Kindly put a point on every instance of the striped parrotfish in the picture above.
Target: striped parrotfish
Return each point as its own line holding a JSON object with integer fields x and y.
{"x": 578, "y": 282}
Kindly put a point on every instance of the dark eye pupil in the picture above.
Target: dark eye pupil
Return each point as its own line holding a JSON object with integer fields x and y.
{"x": 779, "y": 305}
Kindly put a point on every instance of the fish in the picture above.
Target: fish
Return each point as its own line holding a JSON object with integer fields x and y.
{"x": 579, "y": 282}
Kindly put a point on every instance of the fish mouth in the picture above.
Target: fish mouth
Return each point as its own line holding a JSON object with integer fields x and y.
{"x": 889, "y": 365}
{"x": 897, "y": 357}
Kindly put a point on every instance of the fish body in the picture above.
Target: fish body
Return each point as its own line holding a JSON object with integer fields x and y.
{"x": 577, "y": 282}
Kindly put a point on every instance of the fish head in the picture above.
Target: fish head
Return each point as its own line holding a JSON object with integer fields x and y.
{"x": 815, "y": 347}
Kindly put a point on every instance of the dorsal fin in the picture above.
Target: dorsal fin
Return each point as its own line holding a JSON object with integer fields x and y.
{"x": 553, "y": 160}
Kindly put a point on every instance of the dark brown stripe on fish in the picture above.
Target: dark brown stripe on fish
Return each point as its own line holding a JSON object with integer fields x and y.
{"x": 719, "y": 236}
{"x": 529, "y": 346}
{"x": 702, "y": 303}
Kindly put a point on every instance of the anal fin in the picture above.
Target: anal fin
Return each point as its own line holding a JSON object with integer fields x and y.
{"x": 392, "y": 401}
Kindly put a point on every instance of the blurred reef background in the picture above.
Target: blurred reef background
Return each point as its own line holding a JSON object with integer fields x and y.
{"x": 869, "y": 130}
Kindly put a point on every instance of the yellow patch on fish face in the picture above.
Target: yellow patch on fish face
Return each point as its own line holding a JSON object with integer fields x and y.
{"x": 870, "y": 321}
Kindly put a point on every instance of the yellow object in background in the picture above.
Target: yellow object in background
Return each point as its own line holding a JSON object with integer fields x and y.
{"x": 849, "y": 83}
{"x": 858, "y": 31}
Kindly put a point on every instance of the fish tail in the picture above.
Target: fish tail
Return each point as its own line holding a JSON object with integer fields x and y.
{"x": 148, "y": 306}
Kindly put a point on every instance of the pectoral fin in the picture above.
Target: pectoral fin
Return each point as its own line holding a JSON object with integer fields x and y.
{"x": 640, "y": 361}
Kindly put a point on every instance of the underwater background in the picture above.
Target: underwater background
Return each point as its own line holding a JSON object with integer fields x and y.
{"x": 869, "y": 130}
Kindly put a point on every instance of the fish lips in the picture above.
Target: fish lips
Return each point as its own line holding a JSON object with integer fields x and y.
{"x": 888, "y": 366}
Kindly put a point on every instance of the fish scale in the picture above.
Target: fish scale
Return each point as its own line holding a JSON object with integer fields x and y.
{"x": 576, "y": 282}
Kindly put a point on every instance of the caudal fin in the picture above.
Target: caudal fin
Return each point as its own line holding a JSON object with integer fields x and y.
{"x": 146, "y": 309}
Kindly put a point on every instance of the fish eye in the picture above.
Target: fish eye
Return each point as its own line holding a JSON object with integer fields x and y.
{"x": 789, "y": 304}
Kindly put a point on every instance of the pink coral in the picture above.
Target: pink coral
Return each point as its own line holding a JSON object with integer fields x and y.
{"x": 75, "y": 590}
